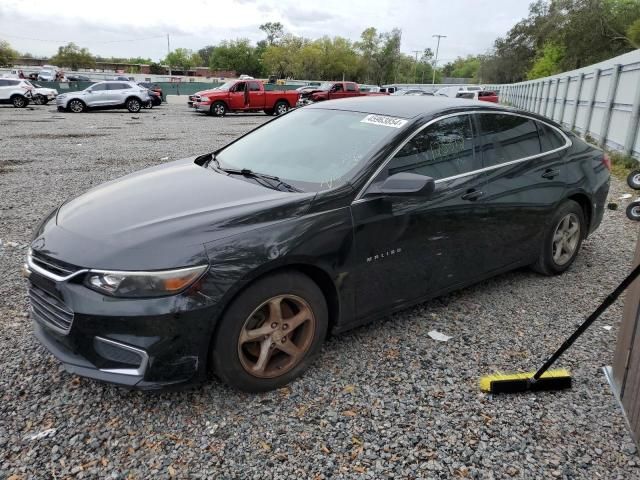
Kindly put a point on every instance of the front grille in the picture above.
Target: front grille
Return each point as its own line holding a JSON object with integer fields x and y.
{"x": 50, "y": 311}
{"x": 117, "y": 354}
{"x": 56, "y": 267}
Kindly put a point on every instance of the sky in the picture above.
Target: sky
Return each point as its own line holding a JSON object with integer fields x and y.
{"x": 132, "y": 28}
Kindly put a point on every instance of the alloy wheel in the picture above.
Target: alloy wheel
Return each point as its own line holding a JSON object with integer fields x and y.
{"x": 282, "y": 109}
{"x": 566, "y": 239}
{"x": 276, "y": 336}
{"x": 19, "y": 102}
{"x": 133, "y": 106}
{"x": 218, "y": 109}
{"x": 76, "y": 106}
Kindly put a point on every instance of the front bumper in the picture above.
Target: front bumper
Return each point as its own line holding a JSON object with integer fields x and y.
{"x": 141, "y": 343}
{"x": 201, "y": 107}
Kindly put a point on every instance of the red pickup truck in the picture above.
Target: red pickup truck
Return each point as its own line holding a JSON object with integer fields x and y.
{"x": 334, "y": 90}
{"x": 243, "y": 96}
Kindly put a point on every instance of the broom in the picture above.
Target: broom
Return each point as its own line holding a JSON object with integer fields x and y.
{"x": 545, "y": 379}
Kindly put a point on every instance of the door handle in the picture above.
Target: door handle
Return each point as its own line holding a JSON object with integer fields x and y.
{"x": 550, "y": 173}
{"x": 472, "y": 195}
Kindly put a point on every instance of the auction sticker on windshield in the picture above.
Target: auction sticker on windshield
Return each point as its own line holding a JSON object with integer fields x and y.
{"x": 384, "y": 121}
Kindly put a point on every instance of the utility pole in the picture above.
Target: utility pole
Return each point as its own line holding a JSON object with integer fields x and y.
{"x": 415, "y": 70}
{"x": 435, "y": 62}
{"x": 168, "y": 51}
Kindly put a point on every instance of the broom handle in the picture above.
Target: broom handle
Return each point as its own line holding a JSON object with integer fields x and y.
{"x": 587, "y": 323}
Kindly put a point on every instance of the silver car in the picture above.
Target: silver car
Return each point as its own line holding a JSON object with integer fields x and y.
{"x": 103, "y": 95}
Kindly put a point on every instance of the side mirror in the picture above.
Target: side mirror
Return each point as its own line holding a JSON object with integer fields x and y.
{"x": 408, "y": 184}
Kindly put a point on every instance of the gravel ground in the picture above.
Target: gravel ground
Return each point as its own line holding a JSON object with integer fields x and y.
{"x": 383, "y": 401}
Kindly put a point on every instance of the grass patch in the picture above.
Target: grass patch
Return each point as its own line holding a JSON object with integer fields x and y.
{"x": 622, "y": 164}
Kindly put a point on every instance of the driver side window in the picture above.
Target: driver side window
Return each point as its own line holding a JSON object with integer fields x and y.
{"x": 239, "y": 87}
{"x": 337, "y": 87}
{"x": 443, "y": 149}
{"x": 98, "y": 87}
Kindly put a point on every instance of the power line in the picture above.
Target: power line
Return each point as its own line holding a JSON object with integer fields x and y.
{"x": 83, "y": 41}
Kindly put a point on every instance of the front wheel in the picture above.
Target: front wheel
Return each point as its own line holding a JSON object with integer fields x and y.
{"x": 39, "y": 100}
{"x": 76, "y": 106}
{"x": 562, "y": 240}
{"x": 271, "y": 333}
{"x": 134, "y": 105}
{"x": 218, "y": 109}
{"x": 633, "y": 210}
{"x": 633, "y": 179}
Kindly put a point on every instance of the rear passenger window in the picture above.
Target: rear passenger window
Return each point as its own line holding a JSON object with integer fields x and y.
{"x": 549, "y": 138}
{"x": 99, "y": 87}
{"x": 118, "y": 86}
{"x": 351, "y": 87}
{"x": 506, "y": 138}
{"x": 254, "y": 87}
{"x": 441, "y": 150}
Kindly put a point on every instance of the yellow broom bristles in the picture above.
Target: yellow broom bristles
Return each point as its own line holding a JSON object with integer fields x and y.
{"x": 485, "y": 382}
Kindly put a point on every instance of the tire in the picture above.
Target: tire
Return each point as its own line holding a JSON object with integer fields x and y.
{"x": 268, "y": 111}
{"x": 264, "y": 308}
{"x": 19, "y": 101}
{"x": 39, "y": 100}
{"x": 281, "y": 107}
{"x": 558, "y": 236}
{"x": 218, "y": 109}
{"x": 133, "y": 105}
{"x": 633, "y": 179}
{"x": 633, "y": 210}
{"x": 156, "y": 101}
{"x": 76, "y": 106}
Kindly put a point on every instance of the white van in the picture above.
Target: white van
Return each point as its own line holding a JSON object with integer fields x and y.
{"x": 453, "y": 91}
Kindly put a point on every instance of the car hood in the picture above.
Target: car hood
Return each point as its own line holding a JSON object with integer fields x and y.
{"x": 160, "y": 217}
{"x": 210, "y": 92}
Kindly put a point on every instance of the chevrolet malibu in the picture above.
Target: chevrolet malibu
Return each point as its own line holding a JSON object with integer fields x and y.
{"x": 240, "y": 262}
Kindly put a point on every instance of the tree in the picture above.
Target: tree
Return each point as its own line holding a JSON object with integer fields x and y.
{"x": 235, "y": 55}
{"x": 548, "y": 62}
{"x": 205, "y": 54}
{"x": 7, "y": 54}
{"x": 183, "y": 58}
{"x": 274, "y": 31}
{"x": 73, "y": 57}
{"x": 633, "y": 33}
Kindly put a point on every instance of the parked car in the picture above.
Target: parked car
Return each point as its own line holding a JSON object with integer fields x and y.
{"x": 155, "y": 92}
{"x": 411, "y": 91}
{"x": 15, "y": 91}
{"x": 244, "y": 96}
{"x": 33, "y": 75}
{"x": 241, "y": 261}
{"x": 334, "y": 91}
{"x": 42, "y": 95}
{"x": 122, "y": 78}
{"x": 483, "y": 95}
{"x": 75, "y": 77}
{"x": 48, "y": 73}
{"x": 452, "y": 91}
{"x": 105, "y": 95}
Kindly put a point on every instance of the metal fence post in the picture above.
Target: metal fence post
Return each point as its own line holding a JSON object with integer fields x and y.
{"x": 613, "y": 88}
{"x": 634, "y": 124}
{"x": 592, "y": 101}
{"x": 555, "y": 98}
{"x": 564, "y": 99}
{"x": 543, "y": 99}
{"x": 572, "y": 125}
{"x": 531, "y": 99}
{"x": 536, "y": 99}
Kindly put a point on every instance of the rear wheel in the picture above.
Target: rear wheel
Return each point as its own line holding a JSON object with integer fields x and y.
{"x": 19, "y": 101}
{"x": 133, "y": 105}
{"x": 76, "y": 106}
{"x": 218, "y": 109}
{"x": 270, "y": 333}
{"x": 280, "y": 107}
{"x": 562, "y": 240}
{"x": 39, "y": 100}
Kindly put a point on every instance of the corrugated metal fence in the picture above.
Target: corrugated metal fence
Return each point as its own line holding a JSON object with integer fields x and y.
{"x": 601, "y": 100}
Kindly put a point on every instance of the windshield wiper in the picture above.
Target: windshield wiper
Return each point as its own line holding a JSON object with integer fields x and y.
{"x": 269, "y": 181}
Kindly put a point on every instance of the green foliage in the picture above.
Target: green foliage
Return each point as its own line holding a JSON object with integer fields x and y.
{"x": 236, "y": 55}
{"x": 73, "y": 57}
{"x": 588, "y": 31}
{"x": 633, "y": 33}
{"x": 463, "y": 67}
{"x": 547, "y": 62}
{"x": 183, "y": 59}
{"x": 7, "y": 54}
{"x": 274, "y": 32}
{"x": 156, "y": 69}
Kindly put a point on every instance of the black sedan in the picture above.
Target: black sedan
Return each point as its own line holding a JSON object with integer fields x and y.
{"x": 240, "y": 262}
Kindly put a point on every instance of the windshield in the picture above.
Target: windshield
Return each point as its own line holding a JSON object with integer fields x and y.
{"x": 312, "y": 149}
{"x": 226, "y": 85}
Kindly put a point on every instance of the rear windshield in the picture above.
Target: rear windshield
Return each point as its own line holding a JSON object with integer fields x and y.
{"x": 313, "y": 149}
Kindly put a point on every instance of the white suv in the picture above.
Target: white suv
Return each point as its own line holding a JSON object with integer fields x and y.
{"x": 15, "y": 91}
{"x": 105, "y": 95}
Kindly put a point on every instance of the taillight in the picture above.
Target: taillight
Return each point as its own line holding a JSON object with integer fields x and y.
{"x": 606, "y": 161}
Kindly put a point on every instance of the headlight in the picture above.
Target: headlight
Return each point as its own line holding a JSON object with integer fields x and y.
{"x": 143, "y": 284}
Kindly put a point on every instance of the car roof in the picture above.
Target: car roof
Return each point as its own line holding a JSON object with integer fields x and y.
{"x": 400, "y": 106}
